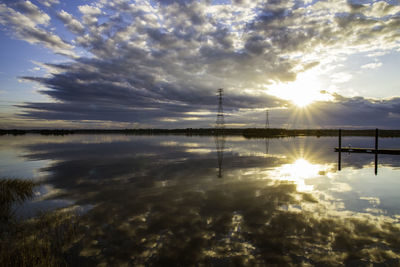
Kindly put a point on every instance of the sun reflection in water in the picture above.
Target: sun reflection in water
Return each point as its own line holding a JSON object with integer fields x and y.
{"x": 298, "y": 172}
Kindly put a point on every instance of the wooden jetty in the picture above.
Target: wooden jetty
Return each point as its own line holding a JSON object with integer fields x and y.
{"x": 374, "y": 151}
{"x": 366, "y": 150}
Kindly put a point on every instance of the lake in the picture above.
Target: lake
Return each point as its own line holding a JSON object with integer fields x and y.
{"x": 180, "y": 200}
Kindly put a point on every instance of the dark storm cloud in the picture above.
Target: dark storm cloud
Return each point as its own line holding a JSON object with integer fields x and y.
{"x": 351, "y": 112}
{"x": 119, "y": 99}
{"x": 171, "y": 56}
{"x": 361, "y": 111}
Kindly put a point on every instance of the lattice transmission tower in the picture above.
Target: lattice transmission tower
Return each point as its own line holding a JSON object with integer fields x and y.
{"x": 220, "y": 123}
{"x": 266, "y": 119}
{"x": 219, "y": 136}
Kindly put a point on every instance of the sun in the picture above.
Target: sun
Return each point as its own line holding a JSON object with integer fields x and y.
{"x": 302, "y": 92}
{"x": 302, "y": 101}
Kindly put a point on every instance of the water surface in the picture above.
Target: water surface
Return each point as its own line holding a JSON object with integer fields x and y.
{"x": 157, "y": 200}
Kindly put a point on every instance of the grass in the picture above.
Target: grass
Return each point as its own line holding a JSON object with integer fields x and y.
{"x": 13, "y": 191}
{"x": 40, "y": 241}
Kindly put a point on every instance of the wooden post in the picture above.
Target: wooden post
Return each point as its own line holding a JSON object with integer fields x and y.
{"x": 340, "y": 150}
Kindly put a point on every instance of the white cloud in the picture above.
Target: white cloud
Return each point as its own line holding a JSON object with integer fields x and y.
{"x": 377, "y": 53}
{"x": 382, "y": 9}
{"x": 341, "y": 77}
{"x": 27, "y": 27}
{"x": 71, "y": 23}
{"x": 90, "y": 14}
{"x": 49, "y": 3}
{"x": 32, "y": 12}
{"x": 89, "y": 10}
{"x": 372, "y": 66}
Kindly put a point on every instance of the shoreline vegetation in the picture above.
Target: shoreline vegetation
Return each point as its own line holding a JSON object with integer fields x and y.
{"x": 44, "y": 240}
{"x": 246, "y": 132}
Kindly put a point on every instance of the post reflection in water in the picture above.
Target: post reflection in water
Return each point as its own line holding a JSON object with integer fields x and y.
{"x": 154, "y": 201}
{"x": 339, "y": 164}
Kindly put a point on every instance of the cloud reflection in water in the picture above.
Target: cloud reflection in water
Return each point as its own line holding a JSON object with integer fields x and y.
{"x": 158, "y": 204}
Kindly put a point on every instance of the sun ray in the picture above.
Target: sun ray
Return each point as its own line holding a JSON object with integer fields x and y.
{"x": 302, "y": 92}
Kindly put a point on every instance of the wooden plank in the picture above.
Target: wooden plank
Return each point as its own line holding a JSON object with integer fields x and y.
{"x": 368, "y": 150}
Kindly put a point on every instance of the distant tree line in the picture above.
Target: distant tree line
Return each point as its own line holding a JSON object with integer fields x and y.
{"x": 246, "y": 132}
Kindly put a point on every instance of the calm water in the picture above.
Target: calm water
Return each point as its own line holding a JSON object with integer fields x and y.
{"x": 157, "y": 200}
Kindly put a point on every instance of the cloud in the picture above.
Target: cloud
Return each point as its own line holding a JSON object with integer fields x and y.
{"x": 372, "y": 66}
{"x": 28, "y": 13}
{"x": 150, "y": 62}
{"x": 353, "y": 112}
{"x": 49, "y": 3}
{"x": 32, "y": 12}
{"x": 71, "y": 23}
{"x": 382, "y": 9}
{"x": 90, "y": 14}
{"x": 25, "y": 25}
{"x": 341, "y": 77}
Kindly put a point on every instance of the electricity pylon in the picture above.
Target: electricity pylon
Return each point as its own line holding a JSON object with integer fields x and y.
{"x": 220, "y": 123}
{"x": 219, "y": 130}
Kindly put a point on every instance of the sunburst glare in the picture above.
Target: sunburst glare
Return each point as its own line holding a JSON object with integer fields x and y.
{"x": 302, "y": 92}
{"x": 298, "y": 172}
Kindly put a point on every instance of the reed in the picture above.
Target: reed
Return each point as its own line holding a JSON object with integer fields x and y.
{"x": 44, "y": 240}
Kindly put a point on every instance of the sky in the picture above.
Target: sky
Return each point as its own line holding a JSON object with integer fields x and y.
{"x": 159, "y": 63}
